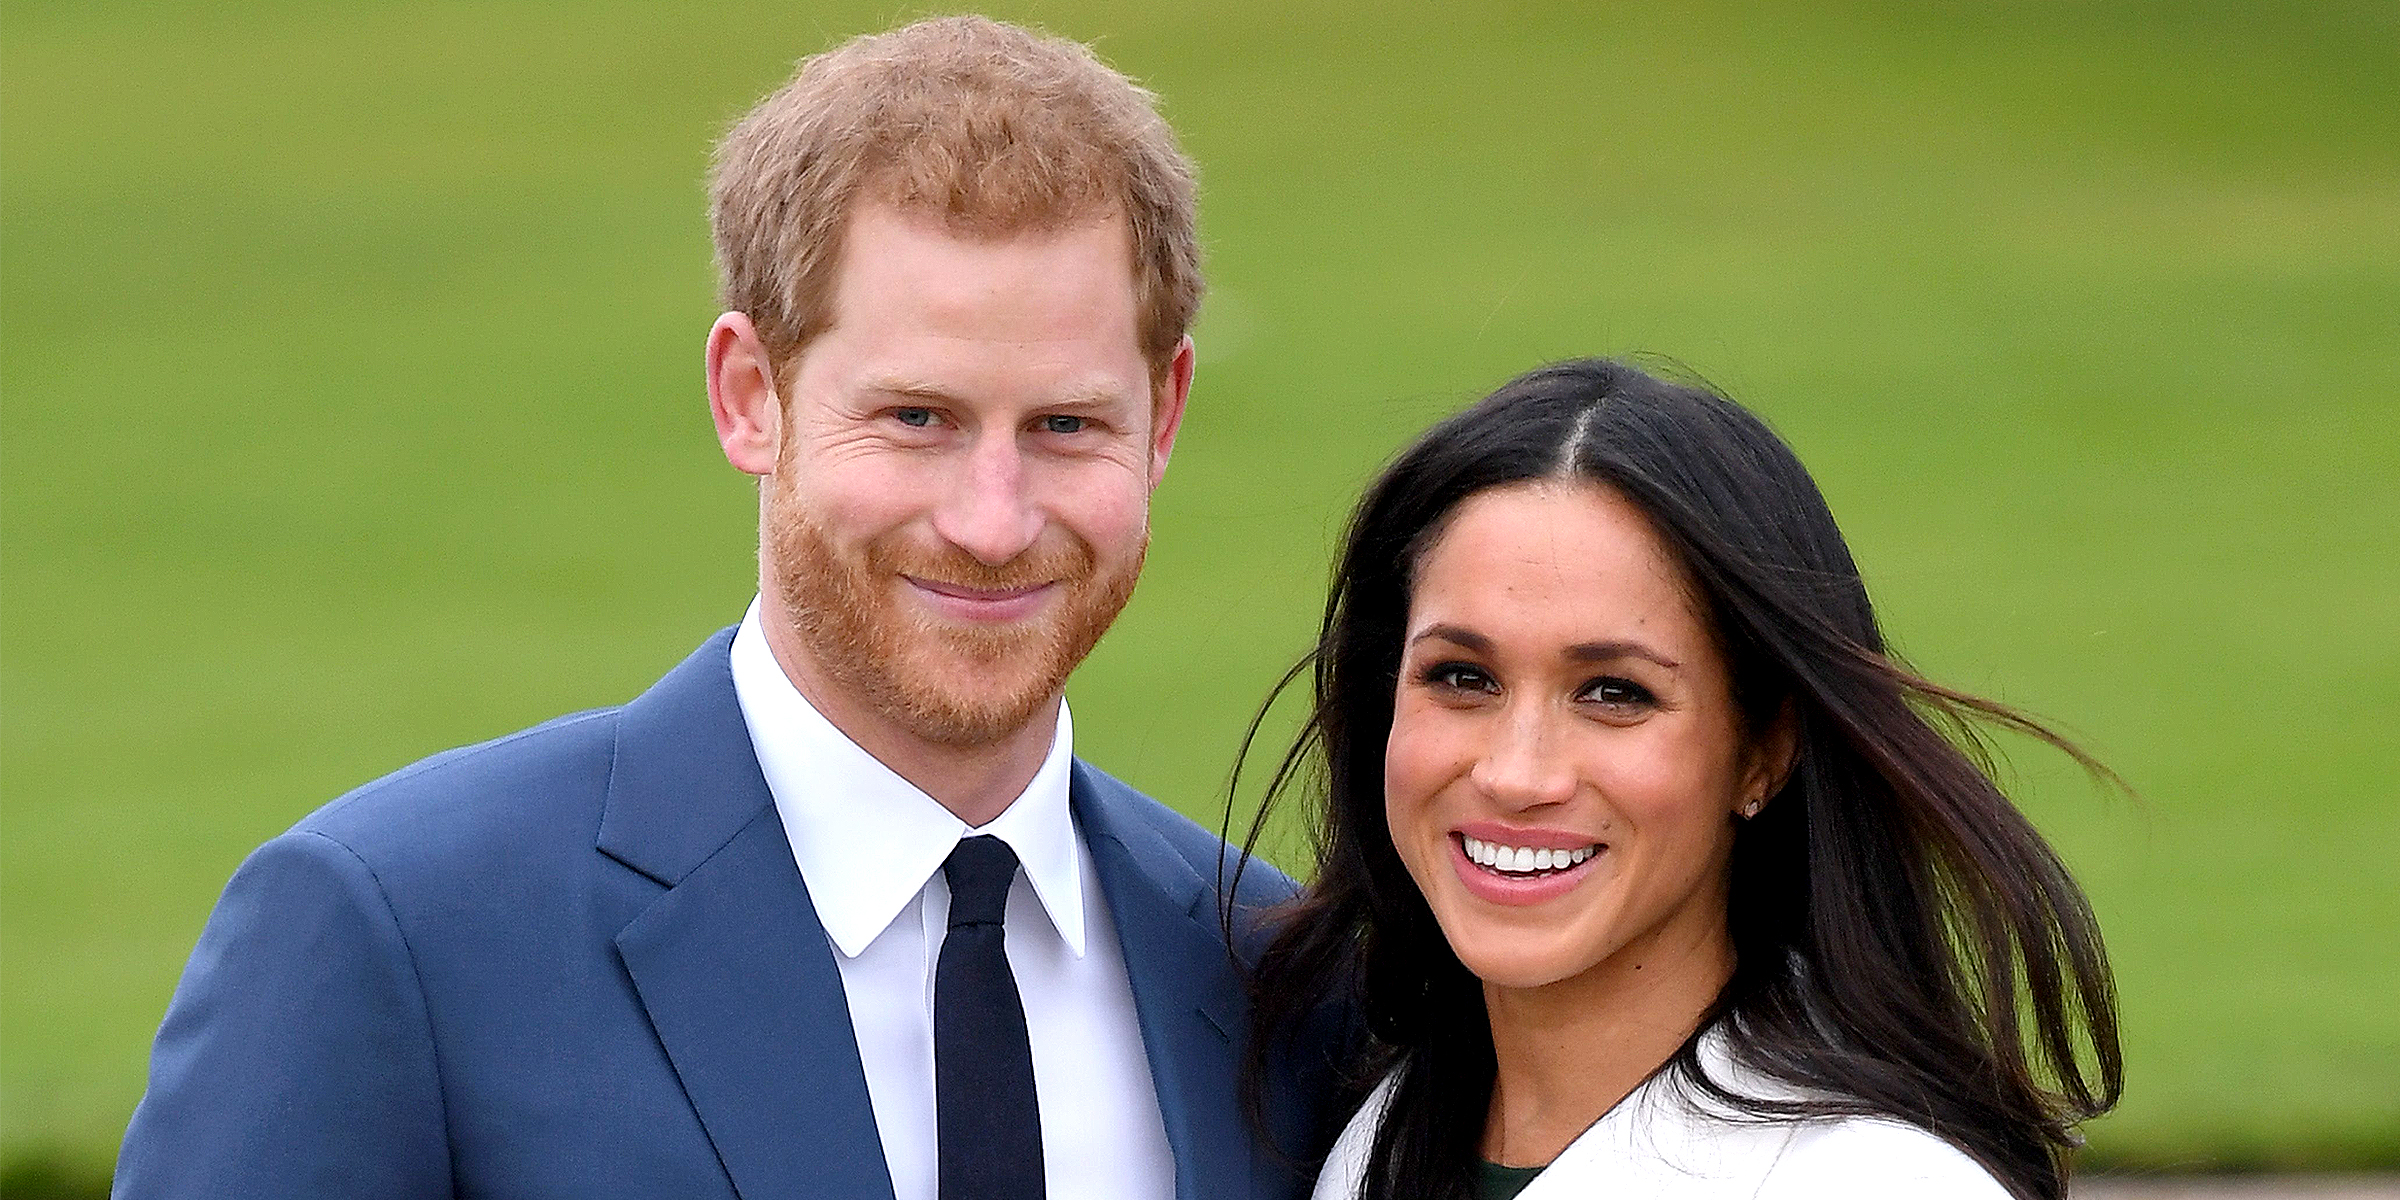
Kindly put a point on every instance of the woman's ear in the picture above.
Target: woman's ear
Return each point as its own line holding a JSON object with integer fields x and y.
{"x": 1772, "y": 754}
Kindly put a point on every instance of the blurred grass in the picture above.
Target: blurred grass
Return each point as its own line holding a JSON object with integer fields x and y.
{"x": 350, "y": 409}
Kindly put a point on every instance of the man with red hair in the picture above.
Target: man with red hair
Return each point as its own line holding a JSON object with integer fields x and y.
{"x": 833, "y": 909}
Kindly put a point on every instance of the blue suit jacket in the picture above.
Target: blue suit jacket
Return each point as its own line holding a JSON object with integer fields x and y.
{"x": 580, "y": 962}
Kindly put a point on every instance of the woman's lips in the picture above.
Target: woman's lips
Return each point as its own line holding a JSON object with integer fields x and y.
{"x": 964, "y": 603}
{"x": 1568, "y": 857}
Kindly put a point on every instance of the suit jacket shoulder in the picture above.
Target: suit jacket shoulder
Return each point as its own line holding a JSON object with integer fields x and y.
{"x": 417, "y": 990}
{"x": 479, "y": 809}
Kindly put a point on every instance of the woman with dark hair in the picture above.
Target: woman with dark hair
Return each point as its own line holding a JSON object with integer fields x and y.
{"x": 1651, "y": 870}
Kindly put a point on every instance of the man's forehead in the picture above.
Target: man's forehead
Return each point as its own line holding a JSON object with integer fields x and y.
{"x": 907, "y": 285}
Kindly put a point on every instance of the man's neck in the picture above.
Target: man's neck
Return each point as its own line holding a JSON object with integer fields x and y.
{"x": 976, "y": 783}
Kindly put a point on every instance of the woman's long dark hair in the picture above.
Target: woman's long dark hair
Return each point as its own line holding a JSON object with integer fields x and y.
{"x": 1906, "y": 944}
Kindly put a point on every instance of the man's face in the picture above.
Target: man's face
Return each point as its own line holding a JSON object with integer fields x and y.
{"x": 960, "y": 502}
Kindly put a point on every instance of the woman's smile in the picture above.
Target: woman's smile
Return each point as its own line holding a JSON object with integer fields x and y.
{"x": 1522, "y": 866}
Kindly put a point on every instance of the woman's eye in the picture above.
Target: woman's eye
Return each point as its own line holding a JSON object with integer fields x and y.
{"x": 1618, "y": 693}
{"x": 1458, "y": 677}
{"x": 914, "y": 418}
{"x": 1062, "y": 424}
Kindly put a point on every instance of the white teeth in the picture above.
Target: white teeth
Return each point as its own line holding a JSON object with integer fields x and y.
{"x": 1524, "y": 859}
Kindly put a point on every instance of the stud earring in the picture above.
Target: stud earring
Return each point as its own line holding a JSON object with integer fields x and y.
{"x": 1750, "y": 810}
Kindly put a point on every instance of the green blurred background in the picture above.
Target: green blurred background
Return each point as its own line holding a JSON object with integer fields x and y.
{"x": 350, "y": 408}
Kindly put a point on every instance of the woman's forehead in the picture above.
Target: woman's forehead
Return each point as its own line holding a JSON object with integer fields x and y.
{"x": 1554, "y": 559}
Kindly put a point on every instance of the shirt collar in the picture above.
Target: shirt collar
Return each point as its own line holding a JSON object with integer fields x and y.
{"x": 867, "y": 840}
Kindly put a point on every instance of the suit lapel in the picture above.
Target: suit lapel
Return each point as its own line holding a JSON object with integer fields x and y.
{"x": 730, "y": 961}
{"x": 1186, "y": 994}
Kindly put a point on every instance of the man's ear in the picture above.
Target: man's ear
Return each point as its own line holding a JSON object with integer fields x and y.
{"x": 1173, "y": 387}
{"x": 741, "y": 395}
{"x": 1772, "y": 757}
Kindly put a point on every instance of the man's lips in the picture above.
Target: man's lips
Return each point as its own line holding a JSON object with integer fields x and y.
{"x": 967, "y": 603}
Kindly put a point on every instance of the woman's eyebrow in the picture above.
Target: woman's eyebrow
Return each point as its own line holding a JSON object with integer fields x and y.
{"x": 1603, "y": 651}
{"x": 1456, "y": 635}
{"x": 1583, "y": 652}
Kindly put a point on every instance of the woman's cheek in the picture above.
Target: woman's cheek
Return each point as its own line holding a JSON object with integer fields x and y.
{"x": 1419, "y": 761}
{"x": 1404, "y": 802}
{"x": 1650, "y": 775}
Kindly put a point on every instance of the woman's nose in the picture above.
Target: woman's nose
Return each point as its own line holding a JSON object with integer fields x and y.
{"x": 1520, "y": 766}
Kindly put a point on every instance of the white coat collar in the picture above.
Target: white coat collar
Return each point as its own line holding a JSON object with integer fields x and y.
{"x": 1661, "y": 1141}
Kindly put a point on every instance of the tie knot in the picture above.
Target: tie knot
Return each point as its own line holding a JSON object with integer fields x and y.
{"x": 979, "y": 872}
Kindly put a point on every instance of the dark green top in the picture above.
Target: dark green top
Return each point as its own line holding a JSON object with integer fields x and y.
{"x": 1496, "y": 1182}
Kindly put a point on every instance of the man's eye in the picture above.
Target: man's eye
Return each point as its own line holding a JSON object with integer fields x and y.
{"x": 1062, "y": 424}
{"x": 916, "y": 418}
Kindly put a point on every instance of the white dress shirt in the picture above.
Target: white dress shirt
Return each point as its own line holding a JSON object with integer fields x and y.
{"x": 870, "y": 847}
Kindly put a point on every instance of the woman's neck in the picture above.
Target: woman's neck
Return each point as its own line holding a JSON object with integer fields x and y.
{"x": 1569, "y": 1051}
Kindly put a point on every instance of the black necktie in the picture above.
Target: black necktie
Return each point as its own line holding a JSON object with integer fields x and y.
{"x": 989, "y": 1128}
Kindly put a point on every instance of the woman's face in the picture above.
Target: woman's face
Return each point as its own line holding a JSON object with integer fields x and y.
{"x": 1566, "y": 761}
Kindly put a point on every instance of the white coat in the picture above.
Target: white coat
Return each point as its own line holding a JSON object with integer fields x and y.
{"x": 1661, "y": 1143}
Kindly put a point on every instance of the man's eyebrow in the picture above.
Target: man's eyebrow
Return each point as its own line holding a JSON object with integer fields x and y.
{"x": 1591, "y": 652}
{"x": 1095, "y": 395}
{"x": 1091, "y": 397}
{"x": 912, "y": 389}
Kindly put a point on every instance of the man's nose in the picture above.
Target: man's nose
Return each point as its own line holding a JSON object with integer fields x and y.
{"x": 987, "y": 510}
{"x": 1520, "y": 767}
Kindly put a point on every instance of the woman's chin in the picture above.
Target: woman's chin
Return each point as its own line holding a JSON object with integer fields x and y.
{"x": 1523, "y": 947}
{"x": 1516, "y": 967}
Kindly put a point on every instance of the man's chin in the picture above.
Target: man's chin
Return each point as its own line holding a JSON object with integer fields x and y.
{"x": 951, "y": 719}
{"x": 959, "y": 696}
